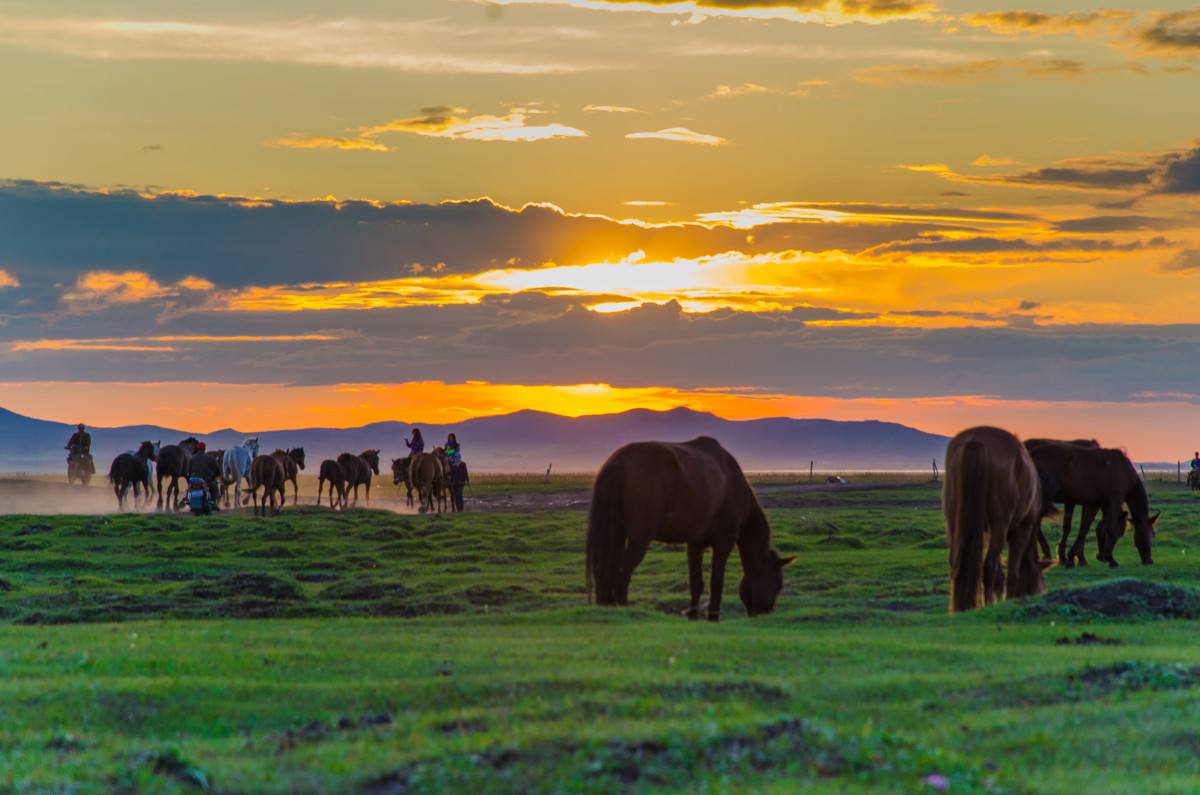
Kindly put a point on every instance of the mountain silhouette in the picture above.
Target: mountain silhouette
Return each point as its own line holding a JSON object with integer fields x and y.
{"x": 524, "y": 441}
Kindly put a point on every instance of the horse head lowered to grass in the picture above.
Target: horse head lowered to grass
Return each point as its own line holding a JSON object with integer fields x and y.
{"x": 692, "y": 493}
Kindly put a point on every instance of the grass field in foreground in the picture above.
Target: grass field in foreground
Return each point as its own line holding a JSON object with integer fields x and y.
{"x": 322, "y": 652}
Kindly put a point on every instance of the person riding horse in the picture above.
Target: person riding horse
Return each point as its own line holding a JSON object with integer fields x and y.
{"x": 416, "y": 445}
{"x": 458, "y": 471}
{"x": 1194, "y": 473}
{"x": 79, "y": 449}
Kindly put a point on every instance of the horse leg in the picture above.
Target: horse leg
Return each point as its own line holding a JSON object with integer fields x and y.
{"x": 1043, "y": 544}
{"x": 636, "y": 549}
{"x": 1108, "y": 529}
{"x": 695, "y": 557}
{"x": 716, "y": 587}
{"x": 296, "y": 492}
{"x": 1085, "y": 525}
{"x": 159, "y": 478}
{"x": 1068, "y": 512}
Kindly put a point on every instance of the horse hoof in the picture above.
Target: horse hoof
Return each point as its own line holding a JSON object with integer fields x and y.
{"x": 1068, "y": 563}
{"x": 1112, "y": 564}
{"x": 714, "y": 617}
{"x": 691, "y": 614}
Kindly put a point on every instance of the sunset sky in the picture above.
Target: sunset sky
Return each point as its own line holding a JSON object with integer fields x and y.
{"x": 277, "y": 214}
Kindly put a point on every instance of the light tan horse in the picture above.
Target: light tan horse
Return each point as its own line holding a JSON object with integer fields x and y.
{"x": 992, "y": 499}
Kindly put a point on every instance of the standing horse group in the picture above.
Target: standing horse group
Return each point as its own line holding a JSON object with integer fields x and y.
{"x": 433, "y": 478}
{"x": 997, "y": 491}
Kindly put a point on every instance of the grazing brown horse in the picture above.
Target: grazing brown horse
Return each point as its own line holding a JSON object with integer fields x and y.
{"x": 132, "y": 469}
{"x": 332, "y": 471}
{"x": 358, "y": 469}
{"x": 400, "y": 475}
{"x": 425, "y": 473}
{"x": 292, "y": 461}
{"x": 991, "y": 499}
{"x": 1107, "y": 479}
{"x": 173, "y": 461}
{"x": 1099, "y": 480}
{"x": 267, "y": 473}
{"x": 692, "y": 493}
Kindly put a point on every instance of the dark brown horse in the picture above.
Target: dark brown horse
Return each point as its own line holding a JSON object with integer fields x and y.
{"x": 1102, "y": 480}
{"x": 267, "y": 473}
{"x": 1099, "y": 480}
{"x": 332, "y": 472}
{"x": 400, "y": 467}
{"x": 358, "y": 469}
{"x": 991, "y": 499}
{"x": 293, "y": 463}
{"x": 425, "y": 473}
{"x": 692, "y": 493}
{"x": 173, "y": 463}
{"x": 132, "y": 469}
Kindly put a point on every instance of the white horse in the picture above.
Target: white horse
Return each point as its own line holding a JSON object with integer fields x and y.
{"x": 235, "y": 466}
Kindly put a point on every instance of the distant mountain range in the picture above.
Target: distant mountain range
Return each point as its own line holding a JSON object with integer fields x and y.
{"x": 526, "y": 441}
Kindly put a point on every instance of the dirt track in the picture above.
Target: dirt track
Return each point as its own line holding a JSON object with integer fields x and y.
{"x": 44, "y": 496}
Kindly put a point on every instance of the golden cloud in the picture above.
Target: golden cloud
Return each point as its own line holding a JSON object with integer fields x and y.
{"x": 681, "y": 135}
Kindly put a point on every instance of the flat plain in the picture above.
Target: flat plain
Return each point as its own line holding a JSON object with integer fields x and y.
{"x": 374, "y": 651}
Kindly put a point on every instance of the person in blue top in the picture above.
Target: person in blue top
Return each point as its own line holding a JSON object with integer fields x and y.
{"x": 1196, "y": 462}
{"x": 417, "y": 444}
{"x": 458, "y": 471}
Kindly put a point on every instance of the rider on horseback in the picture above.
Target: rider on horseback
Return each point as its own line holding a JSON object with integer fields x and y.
{"x": 79, "y": 448}
{"x": 417, "y": 444}
{"x": 458, "y": 471}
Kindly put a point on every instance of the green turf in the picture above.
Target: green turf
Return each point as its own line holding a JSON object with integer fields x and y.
{"x": 421, "y": 654}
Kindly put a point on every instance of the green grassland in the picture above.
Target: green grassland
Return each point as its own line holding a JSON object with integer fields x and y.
{"x": 367, "y": 651}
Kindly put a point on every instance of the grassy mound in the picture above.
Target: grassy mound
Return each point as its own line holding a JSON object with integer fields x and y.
{"x": 1124, "y": 598}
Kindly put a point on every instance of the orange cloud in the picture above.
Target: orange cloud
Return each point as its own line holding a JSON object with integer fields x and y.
{"x": 102, "y": 288}
{"x": 327, "y": 142}
{"x": 7, "y": 280}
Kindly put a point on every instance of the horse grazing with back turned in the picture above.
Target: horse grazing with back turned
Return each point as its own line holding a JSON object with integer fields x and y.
{"x": 692, "y": 493}
{"x": 173, "y": 461}
{"x": 991, "y": 498}
{"x": 358, "y": 469}
{"x": 132, "y": 469}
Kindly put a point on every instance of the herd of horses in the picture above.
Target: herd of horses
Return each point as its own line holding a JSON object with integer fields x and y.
{"x": 145, "y": 471}
{"x": 996, "y": 493}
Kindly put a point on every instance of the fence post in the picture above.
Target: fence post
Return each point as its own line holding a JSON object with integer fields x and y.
{"x": 547, "y": 480}
{"x": 935, "y": 471}
{"x": 1178, "y": 471}
{"x": 811, "y": 464}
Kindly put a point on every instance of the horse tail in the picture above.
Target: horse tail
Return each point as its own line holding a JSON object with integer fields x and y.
{"x": 605, "y": 535}
{"x": 966, "y": 564}
{"x": 112, "y": 471}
